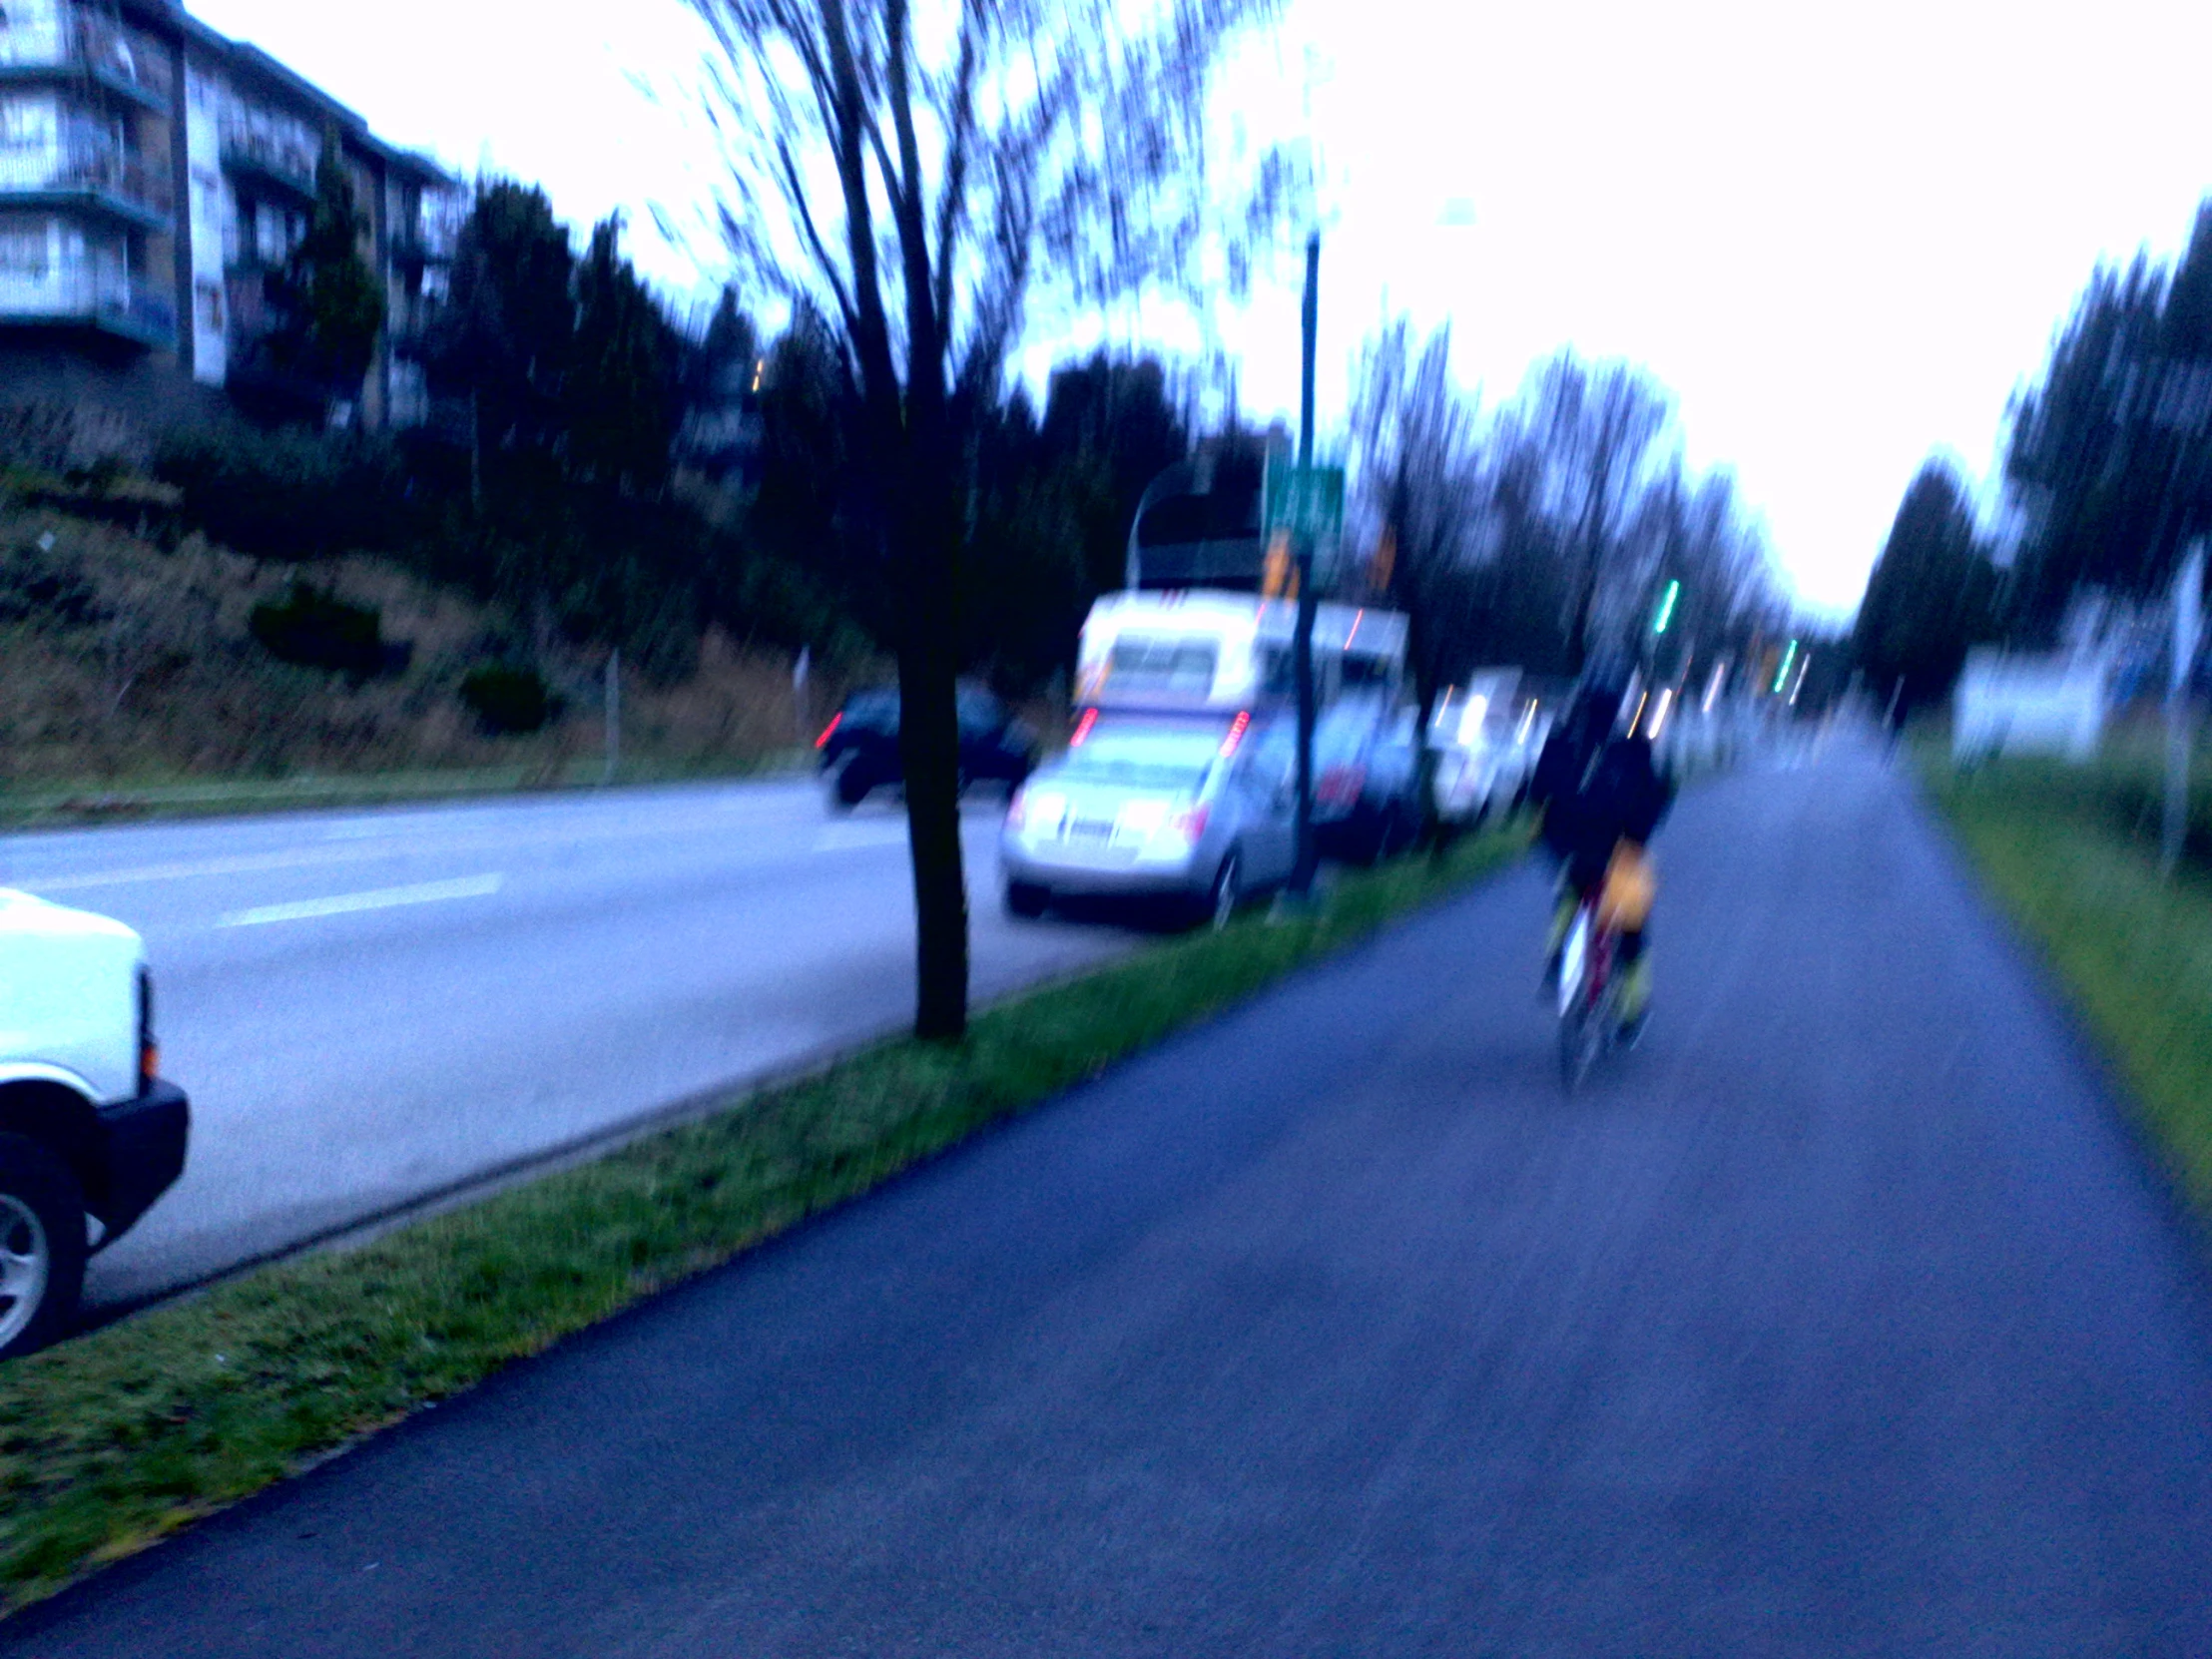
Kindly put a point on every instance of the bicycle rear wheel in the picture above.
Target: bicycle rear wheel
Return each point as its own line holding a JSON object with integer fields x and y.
{"x": 1582, "y": 1038}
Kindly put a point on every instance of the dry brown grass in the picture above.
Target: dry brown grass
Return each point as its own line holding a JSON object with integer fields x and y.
{"x": 146, "y": 672}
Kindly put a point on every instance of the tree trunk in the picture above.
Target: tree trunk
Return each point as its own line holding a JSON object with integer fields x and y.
{"x": 929, "y": 749}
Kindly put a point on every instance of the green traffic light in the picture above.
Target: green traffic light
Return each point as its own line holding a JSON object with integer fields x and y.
{"x": 1666, "y": 608}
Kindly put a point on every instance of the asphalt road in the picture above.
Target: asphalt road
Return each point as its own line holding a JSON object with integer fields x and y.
{"x": 370, "y": 1006}
{"x": 1843, "y": 1317}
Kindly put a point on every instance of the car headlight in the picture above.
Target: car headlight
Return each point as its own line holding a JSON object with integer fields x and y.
{"x": 1035, "y": 811}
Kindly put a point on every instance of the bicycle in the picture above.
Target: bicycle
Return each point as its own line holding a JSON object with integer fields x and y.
{"x": 1589, "y": 993}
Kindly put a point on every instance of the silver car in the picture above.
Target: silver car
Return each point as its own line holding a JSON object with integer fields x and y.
{"x": 1193, "y": 809}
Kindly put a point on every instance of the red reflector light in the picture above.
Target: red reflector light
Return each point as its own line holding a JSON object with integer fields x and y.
{"x": 1083, "y": 727}
{"x": 1236, "y": 729}
{"x": 836, "y": 721}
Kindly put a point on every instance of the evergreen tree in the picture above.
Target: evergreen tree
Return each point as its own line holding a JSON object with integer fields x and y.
{"x": 621, "y": 389}
{"x": 335, "y": 305}
{"x": 1930, "y": 596}
{"x": 505, "y": 335}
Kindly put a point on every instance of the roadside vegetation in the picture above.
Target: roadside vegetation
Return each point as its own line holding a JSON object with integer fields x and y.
{"x": 117, "y": 1439}
{"x": 2072, "y": 854}
{"x": 137, "y": 680}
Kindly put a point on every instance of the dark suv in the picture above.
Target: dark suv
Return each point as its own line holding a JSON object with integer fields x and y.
{"x": 860, "y": 747}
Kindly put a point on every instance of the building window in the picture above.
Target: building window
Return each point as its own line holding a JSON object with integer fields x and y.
{"x": 23, "y": 253}
{"x": 27, "y": 124}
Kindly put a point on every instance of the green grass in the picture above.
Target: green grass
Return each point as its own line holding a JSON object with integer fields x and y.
{"x": 114, "y": 1440}
{"x": 51, "y": 805}
{"x": 2080, "y": 876}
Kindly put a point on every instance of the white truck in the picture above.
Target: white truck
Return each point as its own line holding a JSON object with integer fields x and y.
{"x": 90, "y": 1133}
{"x": 2007, "y": 704}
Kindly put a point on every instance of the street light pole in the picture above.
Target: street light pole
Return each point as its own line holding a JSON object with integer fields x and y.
{"x": 1302, "y": 638}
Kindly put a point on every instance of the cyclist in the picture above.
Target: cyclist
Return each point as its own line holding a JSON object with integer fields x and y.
{"x": 1598, "y": 788}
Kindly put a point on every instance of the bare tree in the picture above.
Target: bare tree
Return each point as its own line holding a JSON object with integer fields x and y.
{"x": 1599, "y": 428}
{"x": 1418, "y": 461}
{"x": 917, "y": 173}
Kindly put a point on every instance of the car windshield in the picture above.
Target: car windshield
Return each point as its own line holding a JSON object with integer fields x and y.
{"x": 1155, "y": 662}
{"x": 1176, "y": 758}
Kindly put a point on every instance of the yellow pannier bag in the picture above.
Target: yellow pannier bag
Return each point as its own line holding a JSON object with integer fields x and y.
{"x": 1624, "y": 903}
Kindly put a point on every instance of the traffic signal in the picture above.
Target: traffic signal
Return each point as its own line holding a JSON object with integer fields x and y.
{"x": 1665, "y": 612}
{"x": 1275, "y": 579}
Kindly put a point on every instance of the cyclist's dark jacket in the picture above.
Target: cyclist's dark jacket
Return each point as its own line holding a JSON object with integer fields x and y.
{"x": 1590, "y": 800}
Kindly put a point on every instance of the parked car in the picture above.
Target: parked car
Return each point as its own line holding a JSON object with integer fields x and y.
{"x": 859, "y": 749}
{"x": 1183, "y": 809}
{"x": 1484, "y": 764}
{"x": 88, "y": 1127}
{"x": 1367, "y": 802}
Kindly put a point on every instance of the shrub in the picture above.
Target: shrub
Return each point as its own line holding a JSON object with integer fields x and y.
{"x": 289, "y": 494}
{"x": 65, "y": 439}
{"x": 319, "y": 630}
{"x": 39, "y": 588}
{"x": 508, "y": 699}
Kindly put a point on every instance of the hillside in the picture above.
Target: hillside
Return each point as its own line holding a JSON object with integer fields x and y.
{"x": 125, "y": 665}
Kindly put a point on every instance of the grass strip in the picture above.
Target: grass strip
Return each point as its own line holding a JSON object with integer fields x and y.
{"x": 2134, "y": 951}
{"x": 114, "y": 1440}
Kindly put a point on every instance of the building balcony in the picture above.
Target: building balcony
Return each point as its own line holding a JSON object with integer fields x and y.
{"x": 420, "y": 245}
{"x": 111, "y": 182}
{"x": 106, "y": 305}
{"x": 271, "y": 159}
{"x": 88, "y": 48}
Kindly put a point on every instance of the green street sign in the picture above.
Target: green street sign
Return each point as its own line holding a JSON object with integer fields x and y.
{"x": 1306, "y": 500}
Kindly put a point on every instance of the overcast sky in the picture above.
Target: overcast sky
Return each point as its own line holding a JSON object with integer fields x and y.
{"x": 1840, "y": 236}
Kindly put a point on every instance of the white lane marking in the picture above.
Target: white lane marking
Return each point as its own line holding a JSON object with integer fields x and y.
{"x": 382, "y": 898}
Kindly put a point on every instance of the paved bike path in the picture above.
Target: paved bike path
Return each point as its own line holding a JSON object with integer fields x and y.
{"x": 1841, "y": 1318}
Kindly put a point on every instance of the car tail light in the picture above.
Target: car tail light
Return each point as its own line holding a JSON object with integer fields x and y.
{"x": 1017, "y": 809}
{"x": 1339, "y": 786}
{"x": 1191, "y": 824}
{"x": 1236, "y": 729}
{"x": 149, "y": 1051}
{"x": 836, "y": 721}
{"x": 1083, "y": 727}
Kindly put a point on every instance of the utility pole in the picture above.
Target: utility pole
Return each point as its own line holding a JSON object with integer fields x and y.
{"x": 2188, "y": 609}
{"x": 1302, "y": 638}
{"x": 611, "y": 702}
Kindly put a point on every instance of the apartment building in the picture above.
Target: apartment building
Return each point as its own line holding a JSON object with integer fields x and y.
{"x": 153, "y": 175}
